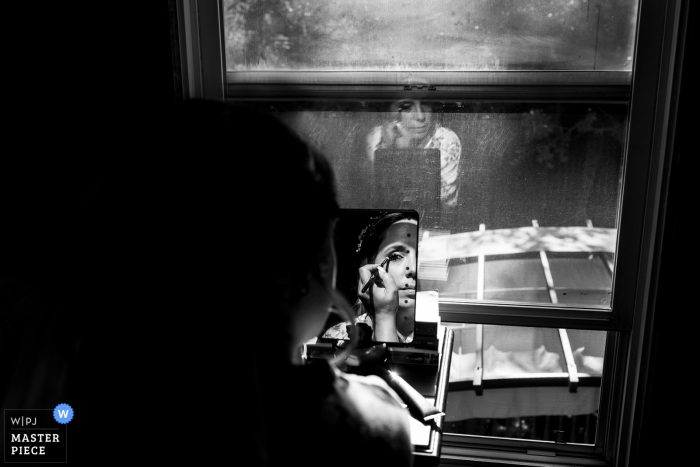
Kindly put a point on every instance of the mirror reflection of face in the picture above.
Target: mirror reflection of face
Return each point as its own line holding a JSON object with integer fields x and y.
{"x": 416, "y": 117}
{"x": 400, "y": 245}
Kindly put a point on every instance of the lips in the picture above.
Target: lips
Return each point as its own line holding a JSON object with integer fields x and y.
{"x": 409, "y": 292}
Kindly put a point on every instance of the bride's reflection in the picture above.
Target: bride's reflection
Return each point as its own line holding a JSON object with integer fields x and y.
{"x": 386, "y": 280}
{"x": 413, "y": 124}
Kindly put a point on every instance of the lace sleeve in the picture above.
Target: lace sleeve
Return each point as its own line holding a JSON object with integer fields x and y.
{"x": 450, "y": 153}
{"x": 339, "y": 331}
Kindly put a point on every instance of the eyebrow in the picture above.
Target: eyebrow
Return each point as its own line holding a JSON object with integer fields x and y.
{"x": 396, "y": 245}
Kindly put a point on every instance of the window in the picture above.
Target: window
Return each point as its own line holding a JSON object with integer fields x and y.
{"x": 553, "y": 119}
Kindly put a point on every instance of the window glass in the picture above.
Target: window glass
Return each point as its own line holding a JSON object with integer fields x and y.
{"x": 411, "y": 35}
{"x": 525, "y": 387}
{"x": 518, "y": 202}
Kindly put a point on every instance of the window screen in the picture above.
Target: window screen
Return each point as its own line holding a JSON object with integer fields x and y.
{"x": 528, "y": 203}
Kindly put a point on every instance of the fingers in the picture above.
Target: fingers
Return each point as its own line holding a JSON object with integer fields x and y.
{"x": 387, "y": 280}
{"x": 366, "y": 279}
{"x": 366, "y": 272}
{"x": 385, "y": 301}
{"x": 368, "y": 276}
{"x": 369, "y": 271}
{"x": 383, "y": 281}
{"x": 389, "y": 135}
{"x": 402, "y": 130}
{"x": 384, "y": 298}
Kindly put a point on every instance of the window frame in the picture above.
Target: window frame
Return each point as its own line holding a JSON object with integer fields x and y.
{"x": 649, "y": 92}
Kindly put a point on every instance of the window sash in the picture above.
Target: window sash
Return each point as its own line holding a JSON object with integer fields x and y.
{"x": 652, "y": 107}
{"x": 535, "y": 315}
{"x": 540, "y": 93}
{"x": 459, "y": 454}
{"x": 445, "y": 78}
{"x": 648, "y": 91}
{"x": 519, "y": 447}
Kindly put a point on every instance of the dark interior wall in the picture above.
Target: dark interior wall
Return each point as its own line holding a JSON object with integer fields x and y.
{"x": 102, "y": 84}
{"x": 90, "y": 83}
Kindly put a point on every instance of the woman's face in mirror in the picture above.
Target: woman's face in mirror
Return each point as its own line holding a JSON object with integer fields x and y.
{"x": 416, "y": 117}
{"x": 400, "y": 244}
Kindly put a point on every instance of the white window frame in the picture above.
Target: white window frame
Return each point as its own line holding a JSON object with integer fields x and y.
{"x": 649, "y": 90}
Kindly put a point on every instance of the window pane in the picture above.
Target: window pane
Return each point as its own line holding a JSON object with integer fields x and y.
{"x": 525, "y": 384}
{"x": 414, "y": 35}
{"x": 518, "y": 202}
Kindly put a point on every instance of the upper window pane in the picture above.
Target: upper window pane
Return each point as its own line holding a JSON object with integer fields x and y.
{"x": 445, "y": 35}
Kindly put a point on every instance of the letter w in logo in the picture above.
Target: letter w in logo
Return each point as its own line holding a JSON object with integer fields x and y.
{"x": 63, "y": 413}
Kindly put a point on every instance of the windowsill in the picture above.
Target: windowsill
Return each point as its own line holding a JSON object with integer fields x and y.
{"x": 452, "y": 455}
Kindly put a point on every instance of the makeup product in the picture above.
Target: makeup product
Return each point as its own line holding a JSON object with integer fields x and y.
{"x": 319, "y": 350}
{"x": 427, "y": 316}
{"x": 413, "y": 356}
{"x": 375, "y": 276}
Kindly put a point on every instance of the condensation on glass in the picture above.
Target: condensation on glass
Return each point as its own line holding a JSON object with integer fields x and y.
{"x": 516, "y": 382}
{"x": 524, "y": 203}
{"x": 423, "y": 35}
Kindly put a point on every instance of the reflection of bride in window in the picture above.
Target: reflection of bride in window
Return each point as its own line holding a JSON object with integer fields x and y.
{"x": 414, "y": 125}
{"x": 385, "y": 311}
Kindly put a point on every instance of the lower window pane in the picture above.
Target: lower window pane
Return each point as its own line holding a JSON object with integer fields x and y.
{"x": 516, "y": 384}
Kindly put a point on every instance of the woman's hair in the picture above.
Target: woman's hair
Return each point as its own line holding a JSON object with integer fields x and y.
{"x": 282, "y": 197}
{"x": 224, "y": 201}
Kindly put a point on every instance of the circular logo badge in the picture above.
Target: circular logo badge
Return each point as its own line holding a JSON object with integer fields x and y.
{"x": 63, "y": 413}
